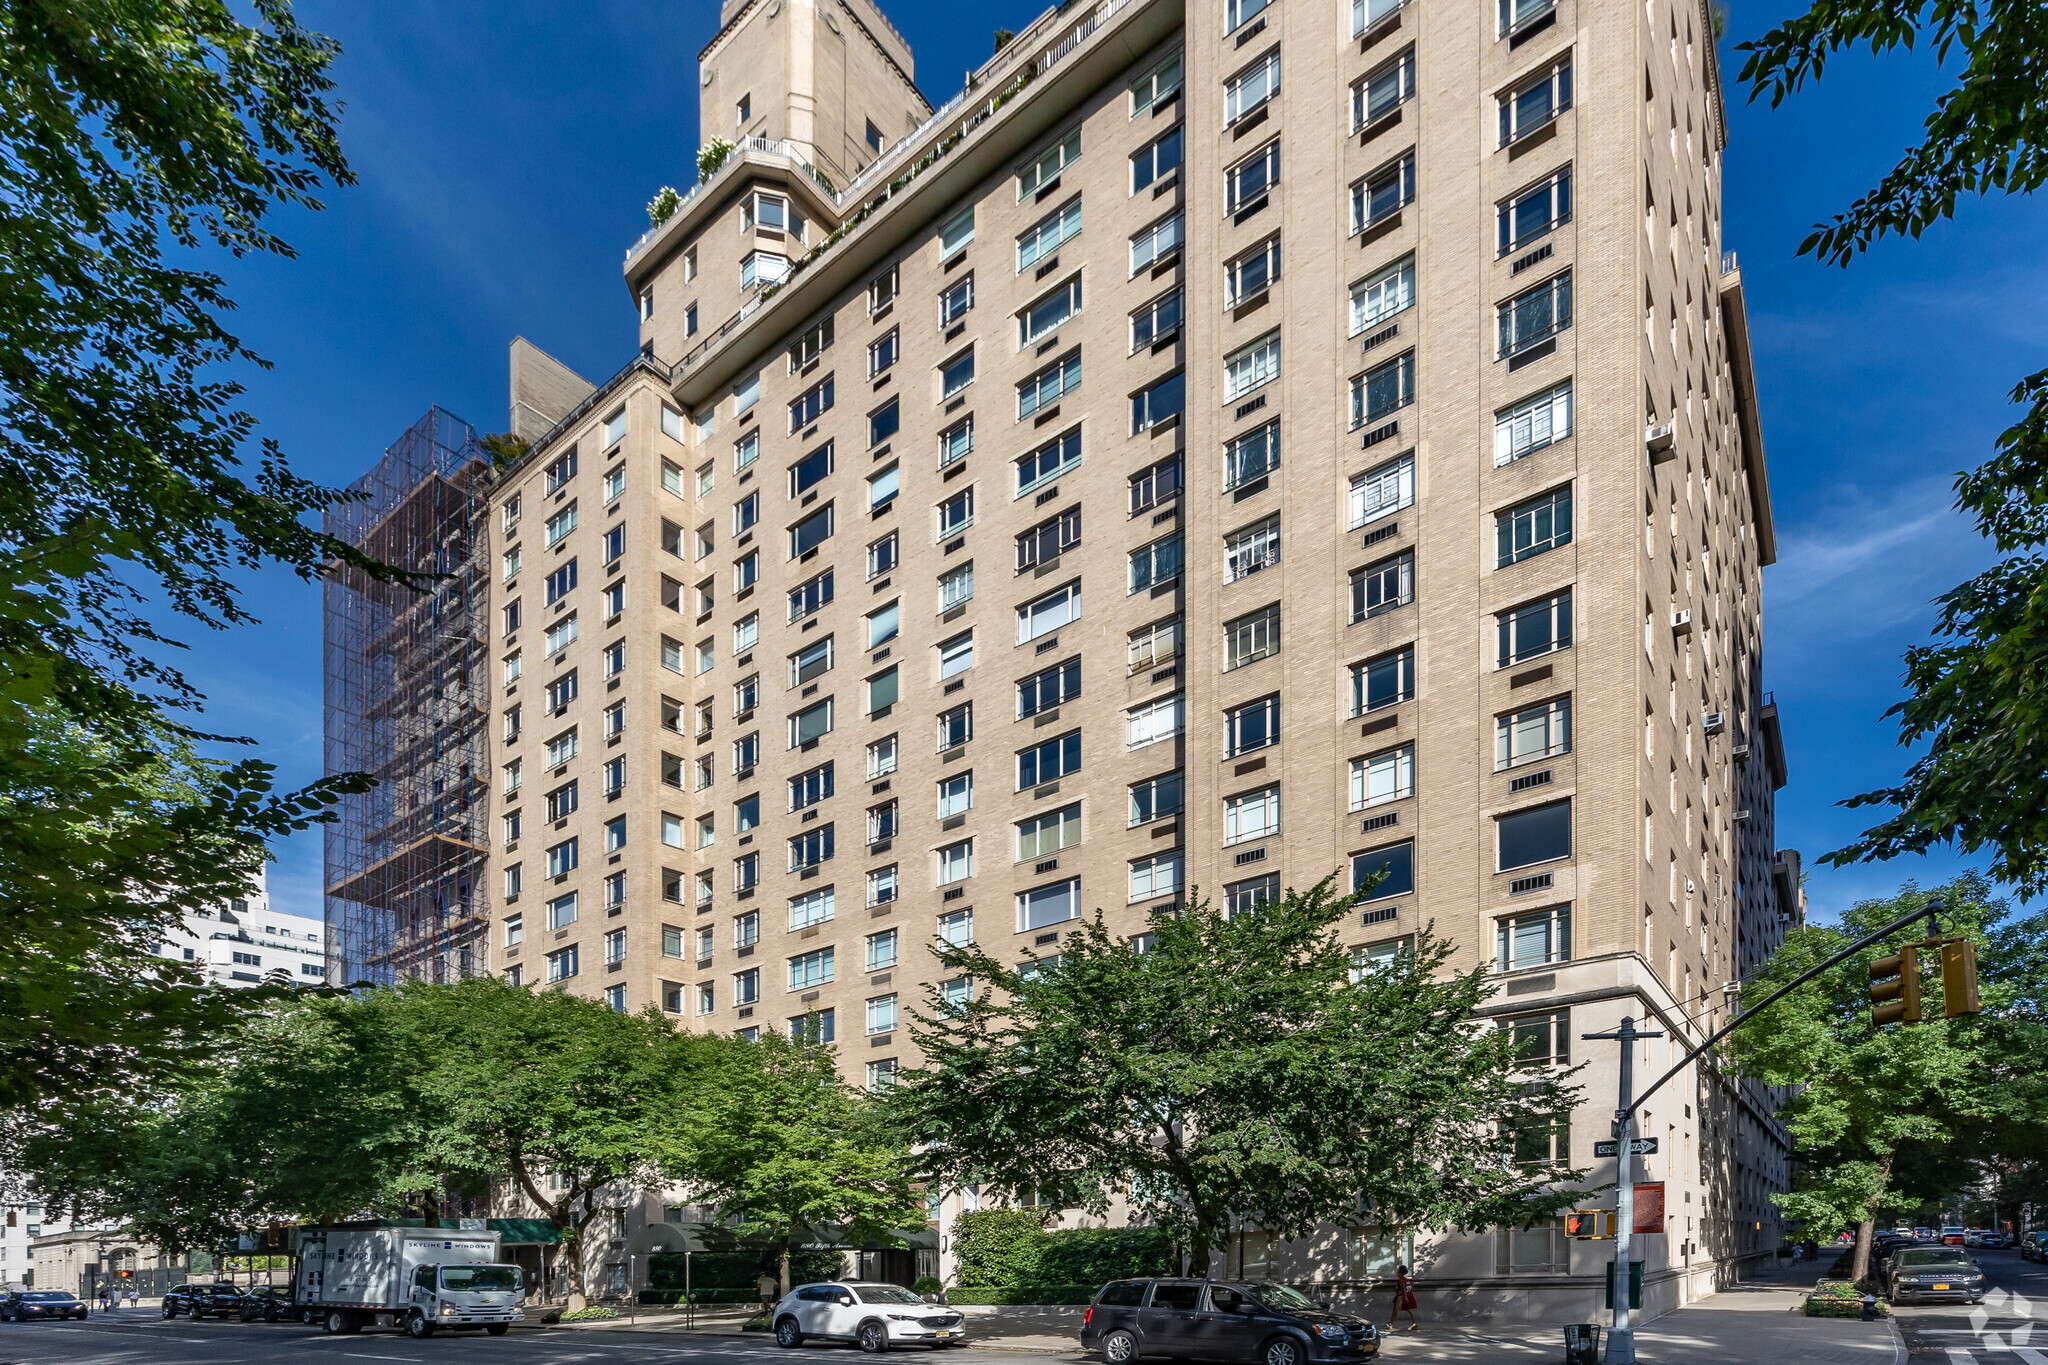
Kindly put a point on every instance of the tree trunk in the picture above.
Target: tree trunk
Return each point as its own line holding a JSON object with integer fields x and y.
{"x": 1860, "y": 1267}
{"x": 1198, "y": 1248}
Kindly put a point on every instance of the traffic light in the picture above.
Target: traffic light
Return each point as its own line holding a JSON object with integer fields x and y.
{"x": 1958, "y": 977}
{"x": 1895, "y": 987}
{"x": 1590, "y": 1224}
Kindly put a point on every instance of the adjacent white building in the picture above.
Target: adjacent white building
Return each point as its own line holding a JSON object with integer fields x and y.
{"x": 241, "y": 943}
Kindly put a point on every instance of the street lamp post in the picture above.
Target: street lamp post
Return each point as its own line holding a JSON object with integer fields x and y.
{"x": 1621, "y": 1337}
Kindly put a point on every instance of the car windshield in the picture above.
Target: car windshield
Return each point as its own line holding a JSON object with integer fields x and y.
{"x": 1281, "y": 1297}
{"x": 49, "y": 1296}
{"x": 1933, "y": 1256}
{"x": 885, "y": 1293}
{"x": 471, "y": 1278}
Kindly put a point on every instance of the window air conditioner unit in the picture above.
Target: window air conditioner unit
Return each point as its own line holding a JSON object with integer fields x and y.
{"x": 1741, "y": 751}
{"x": 1662, "y": 443}
{"x": 1681, "y": 622}
{"x": 1741, "y": 816}
{"x": 1713, "y": 722}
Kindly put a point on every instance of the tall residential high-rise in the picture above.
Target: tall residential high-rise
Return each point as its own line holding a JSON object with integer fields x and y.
{"x": 1220, "y": 448}
{"x": 406, "y": 678}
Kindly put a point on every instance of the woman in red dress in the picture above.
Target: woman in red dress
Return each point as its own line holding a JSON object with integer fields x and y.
{"x": 1404, "y": 1299}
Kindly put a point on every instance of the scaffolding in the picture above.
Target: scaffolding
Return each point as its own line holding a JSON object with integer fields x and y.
{"x": 406, "y": 675}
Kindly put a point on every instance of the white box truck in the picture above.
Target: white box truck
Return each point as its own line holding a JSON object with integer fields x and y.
{"x": 421, "y": 1279}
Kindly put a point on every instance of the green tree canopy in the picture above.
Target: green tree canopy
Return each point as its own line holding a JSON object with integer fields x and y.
{"x": 1232, "y": 1071}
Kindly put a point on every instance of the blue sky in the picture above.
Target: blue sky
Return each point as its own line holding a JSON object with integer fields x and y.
{"x": 505, "y": 152}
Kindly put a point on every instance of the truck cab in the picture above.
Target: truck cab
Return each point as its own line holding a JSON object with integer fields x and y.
{"x": 463, "y": 1296}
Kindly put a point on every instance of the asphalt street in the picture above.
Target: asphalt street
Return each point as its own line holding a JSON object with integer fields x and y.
{"x": 2009, "y": 1328}
{"x": 115, "y": 1340}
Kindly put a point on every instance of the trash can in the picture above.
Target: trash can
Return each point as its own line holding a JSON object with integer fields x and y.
{"x": 1581, "y": 1344}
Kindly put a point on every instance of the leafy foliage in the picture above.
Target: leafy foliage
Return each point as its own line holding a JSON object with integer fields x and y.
{"x": 1013, "y": 1249}
{"x": 1230, "y": 1071}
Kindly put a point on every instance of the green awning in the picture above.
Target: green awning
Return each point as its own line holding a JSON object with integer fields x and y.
{"x": 525, "y": 1230}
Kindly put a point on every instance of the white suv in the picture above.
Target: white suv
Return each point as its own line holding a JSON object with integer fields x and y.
{"x": 872, "y": 1316}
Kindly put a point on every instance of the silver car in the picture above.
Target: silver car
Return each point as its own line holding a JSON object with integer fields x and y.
{"x": 873, "y": 1317}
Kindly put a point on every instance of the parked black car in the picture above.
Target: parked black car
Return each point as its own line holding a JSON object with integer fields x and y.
{"x": 1270, "y": 1324}
{"x": 202, "y": 1299}
{"x": 31, "y": 1304}
{"x": 268, "y": 1302}
{"x": 1934, "y": 1274}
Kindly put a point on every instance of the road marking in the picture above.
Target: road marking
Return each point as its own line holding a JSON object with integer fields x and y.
{"x": 365, "y": 1355}
{"x": 2030, "y": 1355}
{"x": 1958, "y": 1356}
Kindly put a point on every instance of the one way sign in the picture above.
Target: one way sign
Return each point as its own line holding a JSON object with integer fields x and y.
{"x": 1640, "y": 1146}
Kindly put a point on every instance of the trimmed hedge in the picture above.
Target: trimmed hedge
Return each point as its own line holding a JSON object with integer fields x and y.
{"x": 654, "y": 1297}
{"x": 1012, "y": 1249}
{"x": 738, "y": 1270}
{"x": 1047, "y": 1294}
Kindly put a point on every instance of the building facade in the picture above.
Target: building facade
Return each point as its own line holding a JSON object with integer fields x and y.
{"x": 245, "y": 942}
{"x": 1222, "y": 448}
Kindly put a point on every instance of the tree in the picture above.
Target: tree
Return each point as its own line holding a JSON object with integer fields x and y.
{"x": 1866, "y": 1094}
{"x": 1978, "y": 696}
{"x": 1230, "y": 1070}
{"x": 783, "y": 1143}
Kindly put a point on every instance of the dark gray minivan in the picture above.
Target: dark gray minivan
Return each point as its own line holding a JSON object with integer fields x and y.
{"x": 1269, "y": 1324}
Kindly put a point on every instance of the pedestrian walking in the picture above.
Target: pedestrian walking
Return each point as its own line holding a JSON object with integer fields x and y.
{"x": 770, "y": 1290}
{"x": 1404, "y": 1298}
{"x": 134, "y": 1294}
{"x": 106, "y": 1297}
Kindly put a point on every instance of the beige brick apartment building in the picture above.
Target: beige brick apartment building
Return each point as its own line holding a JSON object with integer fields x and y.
{"x": 1223, "y": 447}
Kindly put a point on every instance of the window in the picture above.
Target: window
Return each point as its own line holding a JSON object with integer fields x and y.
{"x": 1250, "y": 366}
{"x": 1046, "y": 614}
{"x": 1159, "y": 319}
{"x": 746, "y": 872}
{"x": 957, "y": 233}
{"x": 1383, "y": 294}
{"x": 743, "y": 109}
{"x": 746, "y": 571}
{"x": 956, "y": 514}
{"x": 762, "y": 267}
{"x": 1048, "y": 540}
{"x": 1245, "y": 897}
{"x": 882, "y": 488}
{"x": 562, "y": 963}
{"x": 882, "y": 1014}
{"x": 956, "y": 928}
{"x": 1535, "y": 315}
{"x": 1533, "y": 939}
{"x": 1155, "y": 484}
{"x": 1045, "y": 906}
{"x": 746, "y": 813}
{"x": 881, "y": 953}
{"x": 882, "y": 625}
{"x": 1156, "y": 564}
{"x": 1382, "y": 489}
{"x": 515, "y": 930}
{"x": 1519, "y": 14}
{"x": 882, "y": 1074}
{"x": 615, "y": 947}
{"x": 512, "y": 512}
{"x": 560, "y": 750}
{"x": 1388, "y": 956}
{"x": 1381, "y": 587}
{"x": 956, "y": 586}
{"x": 956, "y": 374}
{"x": 1532, "y": 424}
{"x": 873, "y": 136}
{"x": 1384, "y": 873}
{"x": 1383, "y": 681}
{"x": 1247, "y": 181}
{"x": 746, "y": 694}
{"x": 1384, "y": 193}
{"x": 1253, "y": 725}
{"x": 811, "y": 532}
{"x": 883, "y": 690}
{"x": 1049, "y": 461}
{"x": 882, "y": 885}
{"x": 1049, "y": 164}
{"x": 1541, "y": 1039}
{"x": 1156, "y": 242}
{"x": 883, "y": 289}
{"x": 511, "y": 569}
{"x": 1542, "y": 523}
{"x": 1535, "y": 211}
{"x": 559, "y": 525}
{"x": 810, "y": 787}
{"x": 707, "y": 655}
{"x": 1251, "y": 273}
{"x": 1251, "y": 637}
{"x": 1049, "y": 761}
{"x": 560, "y": 582}
{"x": 955, "y": 863}
{"x": 1152, "y": 721}
{"x": 810, "y": 969}
{"x": 1237, "y": 12}
{"x": 1046, "y": 235}
{"x": 1385, "y": 88}
{"x": 811, "y": 908}
{"x": 561, "y": 802}
{"x": 746, "y": 986}
{"x": 1152, "y": 90}
{"x": 882, "y": 757}
{"x": 515, "y": 881}
{"x": 1155, "y": 798}
{"x": 812, "y": 847}
{"x": 1157, "y": 158}
{"x": 956, "y": 727}
{"x": 562, "y": 858}
{"x": 1251, "y": 549}
{"x": 1254, "y": 815}
{"x": 1383, "y": 390}
{"x": 1537, "y": 628}
{"x": 885, "y": 421}
{"x": 1251, "y": 87}
{"x": 1046, "y": 387}
{"x": 1152, "y": 645}
{"x": 746, "y": 632}
{"x": 1042, "y": 836}
{"x": 614, "y": 542}
{"x": 811, "y": 343}
{"x": 1541, "y": 834}
{"x": 672, "y": 830}
{"x": 707, "y": 830}
{"x": 1383, "y": 777}
{"x": 811, "y": 404}
{"x": 809, "y": 596}
{"x": 1536, "y": 101}
{"x": 956, "y": 442}
{"x": 1045, "y": 690}
{"x": 746, "y": 450}
{"x": 562, "y": 911}
{"x": 881, "y": 556}
{"x": 561, "y": 471}
{"x": 1538, "y": 732}
{"x": 884, "y": 352}
{"x": 560, "y": 692}
{"x": 956, "y": 299}
{"x": 810, "y": 471}
{"x": 1157, "y": 875}
{"x": 1049, "y": 313}
{"x": 956, "y": 655}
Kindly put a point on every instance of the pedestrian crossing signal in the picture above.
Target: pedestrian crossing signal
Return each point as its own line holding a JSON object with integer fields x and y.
{"x": 1589, "y": 1224}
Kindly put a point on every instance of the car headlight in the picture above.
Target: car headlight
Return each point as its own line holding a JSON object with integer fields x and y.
{"x": 447, "y": 1310}
{"x": 1331, "y": 1331}
{"x": 901, "y": 1317}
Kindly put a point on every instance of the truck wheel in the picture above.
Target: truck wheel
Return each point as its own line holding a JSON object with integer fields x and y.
{"x": 873, "y": 1338}
{"x": 417, "y": 1326}
{"x": 498, "y": 1329}
{"x": 788, "y": 1334}
{"x": 340, "y": 1322}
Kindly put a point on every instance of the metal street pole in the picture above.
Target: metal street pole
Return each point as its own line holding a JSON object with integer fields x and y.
{"x": 1621, "y": 1337}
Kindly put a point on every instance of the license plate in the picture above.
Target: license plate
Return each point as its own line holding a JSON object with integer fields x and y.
{"x": 943, "y": 1332}
{"x": 1941, "y": 1286}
